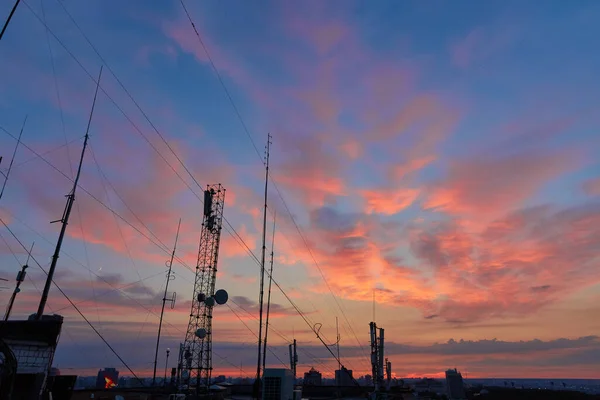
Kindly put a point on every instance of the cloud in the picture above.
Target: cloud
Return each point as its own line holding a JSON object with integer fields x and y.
{"x": 592, "y": 187}
{"x": 484, "y": 187}
{"x": 519, "y": 263}
{"x": 388, "y": 202}
{"x": 482, "y": 44}
{"x": 251, "y": 307}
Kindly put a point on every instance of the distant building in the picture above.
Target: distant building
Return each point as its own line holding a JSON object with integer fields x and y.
{"x": 313, "y": 378}
{"x": 278, "y": 384}
{"x": 454, "y": 385}
{"x": 343, "y": 377}
{"x": 107, "y": 378}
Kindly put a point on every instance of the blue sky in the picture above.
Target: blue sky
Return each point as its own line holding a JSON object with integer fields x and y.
{"x": 443, "y": 153}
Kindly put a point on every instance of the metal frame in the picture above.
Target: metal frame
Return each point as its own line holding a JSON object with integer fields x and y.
{"x": 197, "y": 357}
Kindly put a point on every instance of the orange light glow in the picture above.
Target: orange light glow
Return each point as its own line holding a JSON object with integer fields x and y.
{"x": 109, "y": 383}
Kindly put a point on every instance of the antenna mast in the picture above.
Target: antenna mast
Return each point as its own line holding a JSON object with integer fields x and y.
{"x": 170, "y": 277}
{"x": 20, "y": 278}
{"x": 262, "y": 270}
{"x": 269, "y": 296}
{"x": 67, "y": 212}
{"x": 196, "y": 357}
{"x": 9, "y": 18}
{"x": 293, "y": 358}
{"x": 12, "y": 159}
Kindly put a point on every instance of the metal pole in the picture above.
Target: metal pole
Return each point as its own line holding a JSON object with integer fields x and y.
{"x": 339, "y": 377}
{"x": 9, "y": 18}
{"x": 164, "y": 300}
{"x": 20, "y": 278}
{"x": 262, "y": 273}
{"x": 269, "y": 297}
{"x": 65, "y": 219}
{"x": 13, "y": 158}
{"x": 166, "y": 366}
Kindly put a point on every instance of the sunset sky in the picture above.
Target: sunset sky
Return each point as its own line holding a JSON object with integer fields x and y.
{"x": 439, "y": 157}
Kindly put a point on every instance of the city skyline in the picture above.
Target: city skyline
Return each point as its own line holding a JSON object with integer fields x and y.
{"x": 439, "y": 161}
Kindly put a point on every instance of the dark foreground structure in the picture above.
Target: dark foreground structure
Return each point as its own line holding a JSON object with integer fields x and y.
{"x": 31, "y": 345}
{"x": 498, "y": 393}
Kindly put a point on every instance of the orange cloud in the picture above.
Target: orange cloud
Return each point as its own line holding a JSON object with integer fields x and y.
{"x": 388, "y": 202}
{"x": 230, "y": 246}
{"x": 488, "y": 187}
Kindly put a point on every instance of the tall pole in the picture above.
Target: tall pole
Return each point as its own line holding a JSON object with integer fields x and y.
{"x": 9, "y": 18}
{"x": 65, "y": 218}
{"x": 339, "y": 377}
{"x": 166, "y": 366}
{"x": 269, "y": 297}
{"x": 164, "y": 300}
{"x": 13, "y": 158}
{"x": 262, "y": 269}
{"x": 20, "y": 278}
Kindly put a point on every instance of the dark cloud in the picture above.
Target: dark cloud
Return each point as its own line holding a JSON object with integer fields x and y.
{"x": 252, "y": 306}
{"x": 111, "y": 279}
{"x": 136, "y": 348}
{"x": 540, "y": 288}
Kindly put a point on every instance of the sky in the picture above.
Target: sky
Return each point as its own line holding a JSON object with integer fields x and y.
{"x": 434, "y": 167}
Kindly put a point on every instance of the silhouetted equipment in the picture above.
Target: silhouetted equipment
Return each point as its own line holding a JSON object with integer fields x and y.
{"x": 12, "y": 160}
{"x": 67, "y": 212}
{"x": 20, "y": 278}
{"x": 9, "y": 18}
{"x": 195, "y": 355}
{"x": 170, "y": 277}
{"x": 264, "y": 360}
{"x": 33, "y": 344}
{"x": 377, "y": 357}
{"x": 257, "y": 381}
{"x": 293, "y": 358}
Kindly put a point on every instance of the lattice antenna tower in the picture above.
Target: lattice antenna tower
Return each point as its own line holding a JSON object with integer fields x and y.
{"x": 197, "y": 350}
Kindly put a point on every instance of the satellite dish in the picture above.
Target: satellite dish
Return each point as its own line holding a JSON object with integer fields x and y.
{"x": 221, "y": 296}
{"x": 201, "y": 333}
{"x": 210, "y": 301}
{"x": 201, "y": 297}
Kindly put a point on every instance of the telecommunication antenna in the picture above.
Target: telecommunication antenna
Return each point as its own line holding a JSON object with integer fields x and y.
{"x": 12, "y": 159}
{"x": 9, "y": 18}
{"x": 264, "y": 360}
{"x": 377, "y": 357}
{"x": 170, "y": 277}
{"x": 256, "y": 388}
{"x": 20, "y": 278}
{"x": 196, "y": 354}
{"x": 293, "y": 358}
{"x": 67, "y": 212}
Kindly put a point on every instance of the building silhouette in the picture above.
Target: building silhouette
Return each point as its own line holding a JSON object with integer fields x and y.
{"x": 454, "y": 385}
{"x": 343, "y": 377}
{"x": 107, "y": 378}
{"x": 312, "y": 378}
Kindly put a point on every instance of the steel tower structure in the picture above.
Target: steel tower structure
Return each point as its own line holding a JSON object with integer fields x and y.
{"x": 196, "y": 365}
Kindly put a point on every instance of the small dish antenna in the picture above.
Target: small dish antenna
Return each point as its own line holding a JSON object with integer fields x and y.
{"x": 221, "y": 296}
{"x": 201, "y": 333}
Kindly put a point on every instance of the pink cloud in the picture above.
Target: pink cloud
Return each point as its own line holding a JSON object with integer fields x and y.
{"x": 592, "y": 187}
{"x": 388, "y": 201}
{"x": 488, "y": 187}
{"x": 352, "y": 149}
